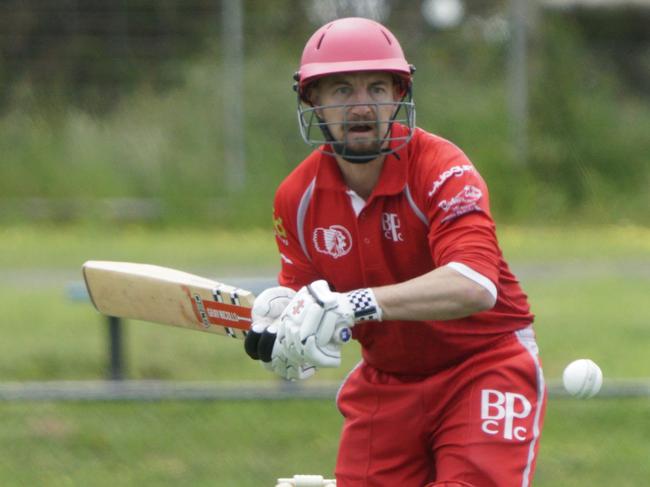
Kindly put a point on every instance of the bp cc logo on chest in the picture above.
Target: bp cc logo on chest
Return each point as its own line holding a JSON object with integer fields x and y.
{"x": 334, "y": 241}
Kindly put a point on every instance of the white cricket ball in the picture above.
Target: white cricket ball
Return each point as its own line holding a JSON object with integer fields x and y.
{"x": 582, "y": 378}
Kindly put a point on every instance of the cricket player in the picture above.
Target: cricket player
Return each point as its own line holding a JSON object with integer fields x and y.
{"x": 385, "y": 236}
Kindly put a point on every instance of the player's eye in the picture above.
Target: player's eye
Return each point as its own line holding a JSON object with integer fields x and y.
{"x": 342, "y": 90}
{"x": 377, "y": 89}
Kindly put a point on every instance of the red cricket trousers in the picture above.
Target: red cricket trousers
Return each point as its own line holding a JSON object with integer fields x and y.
{"x": 475, "y": 424}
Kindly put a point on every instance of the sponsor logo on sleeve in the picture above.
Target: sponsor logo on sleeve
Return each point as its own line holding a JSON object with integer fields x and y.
{"x": 455, "y": 171}
{"x": 334, "y": 241}
{"x": 464, "y": 202}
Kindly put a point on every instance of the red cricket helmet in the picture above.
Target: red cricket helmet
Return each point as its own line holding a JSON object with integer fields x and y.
{"x": 349, "y": 45}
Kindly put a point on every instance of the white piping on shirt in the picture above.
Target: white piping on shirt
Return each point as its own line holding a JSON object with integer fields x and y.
{"x": 300, "y": 217}
{"x": 478, "y": 278}
{"x": 526, "y": 337}
{"x": 419, "y": 213}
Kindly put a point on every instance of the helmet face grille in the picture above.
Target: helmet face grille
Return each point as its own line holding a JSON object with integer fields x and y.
{"x": 316, "y": 132}
{"x": 353, "y": 45}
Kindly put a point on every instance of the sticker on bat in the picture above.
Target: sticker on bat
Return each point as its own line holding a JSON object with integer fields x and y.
{"x": 201, "y": 311}
{"x": 209, "y": 313}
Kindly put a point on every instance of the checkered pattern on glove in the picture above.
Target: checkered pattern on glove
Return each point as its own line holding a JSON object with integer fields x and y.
{"x": 364, "y": 304}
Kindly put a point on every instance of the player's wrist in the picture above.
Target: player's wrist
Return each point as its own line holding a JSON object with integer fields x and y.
{"x": 364, "y": 305}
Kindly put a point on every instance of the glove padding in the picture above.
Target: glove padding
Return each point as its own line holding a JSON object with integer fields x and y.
{"x": 314, "y": 325}
{"x": 261, "y": 341}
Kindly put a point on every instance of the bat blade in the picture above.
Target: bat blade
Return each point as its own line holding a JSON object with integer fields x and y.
{"x": 169, "y": 296}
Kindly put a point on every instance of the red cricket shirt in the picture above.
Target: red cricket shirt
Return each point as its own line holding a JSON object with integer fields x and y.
{"x": 430, "y": 208}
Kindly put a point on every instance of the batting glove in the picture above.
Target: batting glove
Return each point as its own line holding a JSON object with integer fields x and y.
{"x": 317, "y": 322}
{"x": 261, "y": 341}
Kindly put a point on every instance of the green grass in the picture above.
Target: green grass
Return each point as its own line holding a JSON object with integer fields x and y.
{"x": 250, "y": 444}
{"x": 595, "y": 443}
{"x": 67, "y": 247}
{"x": 48, "y": 337}
{"x": 570, "y": 243}
{"x": 584, "y": 307}
{"x": 602, "y": 318}
{"x": 243, "y": 444}
{"x": 588, "y": 287}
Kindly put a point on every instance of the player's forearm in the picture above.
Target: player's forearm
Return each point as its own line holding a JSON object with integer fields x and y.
{"x": 441, "y": 294}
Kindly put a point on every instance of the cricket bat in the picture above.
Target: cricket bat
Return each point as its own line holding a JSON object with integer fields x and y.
{"x": 169, "y": 296}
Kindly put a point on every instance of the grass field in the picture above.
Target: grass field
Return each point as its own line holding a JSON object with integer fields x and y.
{"x": 588, "y": 288}
{"x": 249, "y": 444}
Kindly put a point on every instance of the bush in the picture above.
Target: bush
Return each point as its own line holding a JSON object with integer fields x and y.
{"x": 588, "y": 135}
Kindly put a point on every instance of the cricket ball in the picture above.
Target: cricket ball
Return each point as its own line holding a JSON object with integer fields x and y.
{"x": 582, "y": 378}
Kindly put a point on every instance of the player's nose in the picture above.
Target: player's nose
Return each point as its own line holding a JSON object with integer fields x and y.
{"x": 361, "y": 104}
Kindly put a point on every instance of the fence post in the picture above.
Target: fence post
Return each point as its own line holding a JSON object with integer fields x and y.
{"x": 116, "y": 359}
{"x": 231, "y": 84}
{"x": 518, "y": 78}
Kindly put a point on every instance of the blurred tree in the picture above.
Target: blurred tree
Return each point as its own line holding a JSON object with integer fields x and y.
{"x": 620, "y": 37}
{"x": 90, "y": 52}
{"x": 618, "y": 34}
{"x": 583, "y": 142}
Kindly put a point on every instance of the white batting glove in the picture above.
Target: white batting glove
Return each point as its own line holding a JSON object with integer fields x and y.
{"x": 317, "y": 322}
{"x": 261, "y": 341}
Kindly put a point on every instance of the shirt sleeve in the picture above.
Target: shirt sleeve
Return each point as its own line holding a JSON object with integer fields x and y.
{"x": 461, "y": 229}
{"x": 296, "y": 267}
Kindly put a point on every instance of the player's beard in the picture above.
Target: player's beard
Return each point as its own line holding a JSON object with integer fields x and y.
{"x": 365, "y": 151}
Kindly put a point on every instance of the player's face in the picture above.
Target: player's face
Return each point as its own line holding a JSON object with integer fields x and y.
{"x": 357, "y": 108}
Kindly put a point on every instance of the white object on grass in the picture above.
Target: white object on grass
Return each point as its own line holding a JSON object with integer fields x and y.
{"x": 306, "y": 481}
{"x": 582, "y": 378}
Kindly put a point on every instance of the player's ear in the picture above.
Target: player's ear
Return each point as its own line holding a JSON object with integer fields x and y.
{"x": 315, "y": 101}
{"x": 313, "y": 94}
{"x": 399, "y": 89}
